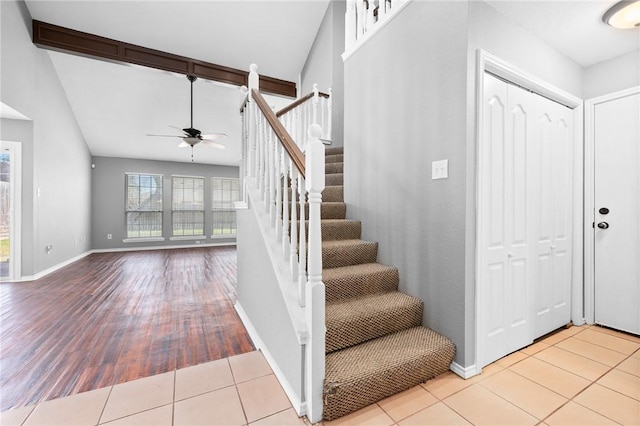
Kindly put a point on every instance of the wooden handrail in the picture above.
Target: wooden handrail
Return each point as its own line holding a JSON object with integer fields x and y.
{"x": 297, "y": 102}
{"x": 287, "y": 142}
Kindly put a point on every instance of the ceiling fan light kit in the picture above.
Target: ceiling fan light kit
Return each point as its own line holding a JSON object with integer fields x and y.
{"x": 623, "y": 15}
{"x": 194, "y": 136}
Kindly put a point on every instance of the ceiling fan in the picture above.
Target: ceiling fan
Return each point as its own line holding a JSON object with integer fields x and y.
{"x": 193, "y": 136}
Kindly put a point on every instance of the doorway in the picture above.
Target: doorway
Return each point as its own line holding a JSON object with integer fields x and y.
{"x": 10, "y": 207}
{"x": 613, "y": 275}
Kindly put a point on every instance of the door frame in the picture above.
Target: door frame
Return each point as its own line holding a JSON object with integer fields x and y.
{"x": 589, "y": 201}
{"x": 15, "y": 244}
{"x": 486, "y": 62}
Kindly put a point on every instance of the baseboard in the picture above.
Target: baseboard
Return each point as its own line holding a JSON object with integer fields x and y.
{"x": 181, "y": 246}
{"x": 464, "y": 372}
{"x": 298, "y": 405}
{"x": 54, "y": 268}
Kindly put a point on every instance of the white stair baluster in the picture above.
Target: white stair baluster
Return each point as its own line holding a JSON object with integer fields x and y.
{"x": 284, "y": 208}
{"x": 350, "y": 24}
{"x": 293, "y": 254}
{"x": 302, "y": 246}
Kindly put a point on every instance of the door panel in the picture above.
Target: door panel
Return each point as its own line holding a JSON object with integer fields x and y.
{"x": 617, "y": 187}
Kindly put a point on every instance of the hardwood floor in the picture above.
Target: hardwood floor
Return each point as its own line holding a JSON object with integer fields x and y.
{"x": 113, "y": 317}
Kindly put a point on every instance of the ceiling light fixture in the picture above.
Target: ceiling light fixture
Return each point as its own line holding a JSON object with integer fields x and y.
{"x": 623, "y": 15}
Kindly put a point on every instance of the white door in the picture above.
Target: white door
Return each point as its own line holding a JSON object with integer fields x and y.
{"x": 617, "y": 229}
{"x": 504, "y": 259}
{"x": 524, "y": 218}
{"x": 551, "y": 211}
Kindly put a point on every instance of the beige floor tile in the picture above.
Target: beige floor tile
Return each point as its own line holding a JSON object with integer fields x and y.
{"x": 622, "y": 382}
{"x": 589, "y": 350}
{"x": 609, "y": 341}
{"x": 511, "y": 359}
{"x": 449, "y": 383}
{"x": 631, "y": 365}
{"x": 79, "y": 409}
{"x": 161, "y": 416}
{"x": 372, "y": 415}
{"x": 554, "y": 378}
{"x": 574, "y": 414}
{"x": 16, "y": 416}
{"x": 611, "y": 404}
{"x": 283, "y": 418}
{"x": 437, "y": 414}
{"x": 221, "y": 407}
{"x": 406, "y": 403}
{"x": 620, "y": 334}
{"x": 482, "y": 407}
{"x": 249, "y": 366}
{"x": 198, "y": 379}
{"x": 533, "y": 398}
{"x": 636, "y": 354}
{"x": 139, "y": 395}
{"x": 573, "y": 363}
{"x": 535, "y": 348}
{"x": 554, "y": 338}
{"x": 262, "y": 397}
{"x": 573, "y": 330}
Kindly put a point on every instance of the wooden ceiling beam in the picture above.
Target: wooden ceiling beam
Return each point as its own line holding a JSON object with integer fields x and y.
{"x": 63, "y": 39}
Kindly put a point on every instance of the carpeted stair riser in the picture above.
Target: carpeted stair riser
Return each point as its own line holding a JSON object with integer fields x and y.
{"x": 334, "y": 179}
{"x": 335, "y": 229}
{"x": 352, "y": 281}
{"x": 336, "y": 158}
{"x": 328, "y": 210}
{"x": 364, "y": 374}
{"x": 348, "y": 252}
{"x": 333, "y": 150}
{"x": 354, "y": 321}
{"x": 330, "y": 168}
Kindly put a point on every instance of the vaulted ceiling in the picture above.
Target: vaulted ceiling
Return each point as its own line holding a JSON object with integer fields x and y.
{"x": 117, "y": 104}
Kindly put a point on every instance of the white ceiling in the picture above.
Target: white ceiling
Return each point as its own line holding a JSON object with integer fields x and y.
{"x": 116, "y": 105}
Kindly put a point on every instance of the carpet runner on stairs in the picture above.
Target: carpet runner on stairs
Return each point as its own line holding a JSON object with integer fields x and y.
{"x": 375, "y": 343}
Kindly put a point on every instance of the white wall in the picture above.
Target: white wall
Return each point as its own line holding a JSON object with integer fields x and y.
{"x": 610, "y": 76}
{"x": 56, "y": 162}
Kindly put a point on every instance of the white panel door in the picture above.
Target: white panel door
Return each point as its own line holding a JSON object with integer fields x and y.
{"x": 504, "y": 254}
{"x": 617, "y": 188}
{"x": 551, "y": 209}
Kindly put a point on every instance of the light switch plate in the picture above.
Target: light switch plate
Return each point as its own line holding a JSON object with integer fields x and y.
{"x": 440, "y": 169}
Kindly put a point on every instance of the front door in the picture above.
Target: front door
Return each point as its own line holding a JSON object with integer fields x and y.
{"x": 617, "y": 213}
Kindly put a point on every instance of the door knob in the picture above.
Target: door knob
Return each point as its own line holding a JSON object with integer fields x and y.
{"x": 603, "y": 225}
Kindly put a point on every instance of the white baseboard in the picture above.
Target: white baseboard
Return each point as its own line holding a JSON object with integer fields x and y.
{"x": 298, "y": 405}
{"x": 181, "y": 246}
{"x": 54, "y": 268}
{"x": 464, "y": 372}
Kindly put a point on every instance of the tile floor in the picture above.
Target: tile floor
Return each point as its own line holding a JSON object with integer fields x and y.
{"x": 579, "y": 376}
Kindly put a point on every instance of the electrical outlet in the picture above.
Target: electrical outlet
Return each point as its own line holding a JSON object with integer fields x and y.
{"x": 109, "y": 236}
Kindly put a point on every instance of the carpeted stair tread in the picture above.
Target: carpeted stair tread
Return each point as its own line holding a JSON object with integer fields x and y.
{"x": 330, "y": 168}
{"x": 328, "y": 210}
{"x": 337, "y": 229}
{"x": 338, "y": 253}
{"x": 334, "y": 179}
{"x": 333, "y": 150}
{"x": 364, "y": 374}
{"x": 353, "y": 321}
{"x": 335, "y": 158}
{"x": 358, "y": 280}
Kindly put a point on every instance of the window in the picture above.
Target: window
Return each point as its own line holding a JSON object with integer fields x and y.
{"x": 225, "y": 192}
{"x": 143, "y": 205}
{"x": 188, "y": 205}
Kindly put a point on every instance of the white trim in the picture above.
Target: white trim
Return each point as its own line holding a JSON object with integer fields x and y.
{"x": 486, "y": 62}
{"x": 223, "y": 236}
{"x": 464, "y": 372}
{"x": 143, "y": 248}
{"x": 589, "y": 200}
{"x": 54, "y": 268}
{"x": 298, "y": 405}
{"x": 15, "y": 249}
{"x": 188, "y": 237}
{"x": 143, "y": 240}
{"x": 376, "y": 28}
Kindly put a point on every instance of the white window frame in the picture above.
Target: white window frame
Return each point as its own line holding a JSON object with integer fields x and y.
{"x": 224, "y": 210}
{"x": 130, "y": 239}
{"x": 174, "y": 210}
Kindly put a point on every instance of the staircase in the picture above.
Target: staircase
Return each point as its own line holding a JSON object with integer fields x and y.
{"x": 375, "y": 343}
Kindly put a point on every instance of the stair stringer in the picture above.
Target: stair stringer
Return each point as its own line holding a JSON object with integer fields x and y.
{"x": 267, "y": 301}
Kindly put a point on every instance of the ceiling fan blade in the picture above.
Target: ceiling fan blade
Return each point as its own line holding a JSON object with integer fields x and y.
{"x": 176, "y": 127}
{"x": 165, "y": 136}
{"x": 213, "y": 136}
{"x": 213, "y": 144}
{"x": 183, "y": 144}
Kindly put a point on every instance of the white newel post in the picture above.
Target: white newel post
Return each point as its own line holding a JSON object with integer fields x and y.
{"x": 314, "y": 103}
{"x": 329, "y": 115}
{"x": 254, "y": 83}
{"x": 315, "y": 294}
{"x": 350, "y": 24}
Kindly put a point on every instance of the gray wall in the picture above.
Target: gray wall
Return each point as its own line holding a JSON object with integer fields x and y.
{"x": 324, "y": 65}
{"x": 56, "y": 161}
{"x": 610, "y": 76}
{"x": 405, "y": 106}
{"x": 108, "y": 203}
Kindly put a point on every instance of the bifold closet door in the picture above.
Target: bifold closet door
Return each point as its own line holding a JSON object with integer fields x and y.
{"x": 524, "y": 218}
